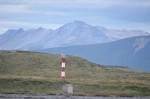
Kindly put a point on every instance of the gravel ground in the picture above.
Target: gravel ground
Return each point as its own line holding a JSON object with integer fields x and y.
{"x": 17, "y": 96}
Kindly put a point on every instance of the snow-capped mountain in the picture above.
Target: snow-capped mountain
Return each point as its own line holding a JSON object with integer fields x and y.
{"x": 74, "y": 33}
{"x": 114, "y": 34}
{"x": 20, "y": 39}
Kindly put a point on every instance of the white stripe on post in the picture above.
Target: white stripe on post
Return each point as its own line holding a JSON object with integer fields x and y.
{"x": 62, "y": 73}
{"x": 63, "y": 64}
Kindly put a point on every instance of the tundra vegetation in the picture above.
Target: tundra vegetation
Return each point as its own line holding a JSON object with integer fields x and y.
{"x": 39, "y": 73}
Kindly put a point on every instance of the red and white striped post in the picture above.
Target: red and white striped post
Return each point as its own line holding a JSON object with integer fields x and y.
{"x": 63, "y": 60}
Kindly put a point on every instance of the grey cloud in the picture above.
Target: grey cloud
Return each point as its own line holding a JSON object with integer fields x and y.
{"x": 12, "y": 2}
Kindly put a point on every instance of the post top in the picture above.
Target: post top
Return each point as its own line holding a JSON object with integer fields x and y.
{"x": 63, "y": 58}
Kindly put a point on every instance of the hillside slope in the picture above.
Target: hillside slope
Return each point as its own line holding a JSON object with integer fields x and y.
{"x": 132, "y": 52}
{"x": 21, "y": 63}
{"x": 37, "y": 73}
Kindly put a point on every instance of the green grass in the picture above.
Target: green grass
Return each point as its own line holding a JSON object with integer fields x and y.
{"x": 38, "y": 73}
{"x": 29, "y": 86}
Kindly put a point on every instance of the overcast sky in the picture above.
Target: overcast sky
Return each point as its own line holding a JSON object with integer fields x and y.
{"x": 51, "y": 14}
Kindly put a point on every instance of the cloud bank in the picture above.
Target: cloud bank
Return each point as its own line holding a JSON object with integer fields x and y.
{"x": 119, "y": 14}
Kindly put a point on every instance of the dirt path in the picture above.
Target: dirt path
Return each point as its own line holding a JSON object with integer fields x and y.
{"x": 17, "y": 96}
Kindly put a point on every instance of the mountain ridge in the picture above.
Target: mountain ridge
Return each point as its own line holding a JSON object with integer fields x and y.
{"x": 125, "y": 52}
{"x": 73, "y": 33}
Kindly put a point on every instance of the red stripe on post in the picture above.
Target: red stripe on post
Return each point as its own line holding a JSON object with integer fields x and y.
{"x": 63, "y": 59}
{"x": 63, "y": 69}
{"x": 62, "y": 77}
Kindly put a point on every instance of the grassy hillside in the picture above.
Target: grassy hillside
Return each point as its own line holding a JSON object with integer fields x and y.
{"x": 38, "y": 73}
{"x": 121, "y": 52}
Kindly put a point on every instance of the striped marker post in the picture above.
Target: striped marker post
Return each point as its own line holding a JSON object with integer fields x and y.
{"x": 63, "y": 60}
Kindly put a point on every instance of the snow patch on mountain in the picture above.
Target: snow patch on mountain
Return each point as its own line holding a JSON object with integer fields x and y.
{"x": 140, "y": 43}
{"x": 121, "y": 34}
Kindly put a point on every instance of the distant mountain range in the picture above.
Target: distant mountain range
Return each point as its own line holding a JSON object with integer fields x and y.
{"x": 130, "y": 52}
{"x": 95, "y": 43}
{"x": 74, "y": 33}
